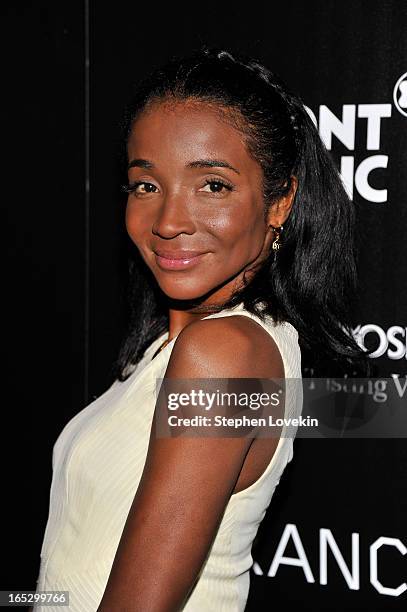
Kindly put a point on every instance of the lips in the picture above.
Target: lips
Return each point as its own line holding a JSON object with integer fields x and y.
{"x": 177, "y": 260}
{"x": 180, "y": 254}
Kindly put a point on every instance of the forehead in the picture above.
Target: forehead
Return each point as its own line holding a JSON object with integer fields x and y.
{"x": 189, "y": 129}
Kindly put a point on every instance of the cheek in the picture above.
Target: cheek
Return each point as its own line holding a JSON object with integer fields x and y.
{"x": 134, "y": 223}
{"x": 242, "y": 229}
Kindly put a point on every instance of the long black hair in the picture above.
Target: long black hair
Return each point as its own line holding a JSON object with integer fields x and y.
{"x": 312, "y": 280}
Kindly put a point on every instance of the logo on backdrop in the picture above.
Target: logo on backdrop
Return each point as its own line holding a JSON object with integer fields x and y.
{"x": 400, "y": 94}
{"x": 391, "y": 342}
{"x": 330, "y": 550}
{"x": 366, "y": 177}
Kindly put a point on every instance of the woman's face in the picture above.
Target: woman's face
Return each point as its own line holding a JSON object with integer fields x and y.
{"x": 196, "y": 210}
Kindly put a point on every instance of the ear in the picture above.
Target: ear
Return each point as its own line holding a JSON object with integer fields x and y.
{"x": 280, "y": 209}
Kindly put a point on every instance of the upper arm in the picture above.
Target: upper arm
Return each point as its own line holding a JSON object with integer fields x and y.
{"x": 186, "y": 483}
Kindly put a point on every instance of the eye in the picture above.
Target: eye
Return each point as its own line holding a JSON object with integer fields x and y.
{"x": 133, "y": 187}
{"x": 143, "y": 187}
{"x": 218, "y": 186}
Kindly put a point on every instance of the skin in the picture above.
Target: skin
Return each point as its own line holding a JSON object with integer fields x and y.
{"x": 177, "y": 210}
{"x": 187, "y": 482}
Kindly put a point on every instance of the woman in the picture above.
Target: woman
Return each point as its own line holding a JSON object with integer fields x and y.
{"x": 225, "y": 167}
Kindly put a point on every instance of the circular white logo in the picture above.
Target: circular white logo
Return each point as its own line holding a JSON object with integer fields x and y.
{"x": 400, "y": 94}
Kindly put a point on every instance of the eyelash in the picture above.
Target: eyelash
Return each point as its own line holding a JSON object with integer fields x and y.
{"x": 131, "y": 187}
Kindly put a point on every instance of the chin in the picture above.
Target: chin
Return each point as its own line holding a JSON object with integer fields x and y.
{"x": 183, "y": 289}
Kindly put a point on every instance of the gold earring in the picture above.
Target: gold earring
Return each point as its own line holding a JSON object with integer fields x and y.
{"x": 276, "y": 242}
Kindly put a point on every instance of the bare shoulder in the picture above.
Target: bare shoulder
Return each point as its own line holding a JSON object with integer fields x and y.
{"x": 232, "y": 346}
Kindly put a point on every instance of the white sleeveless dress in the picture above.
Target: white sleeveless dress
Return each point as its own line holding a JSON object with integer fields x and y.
{"x": 97, "y": 464}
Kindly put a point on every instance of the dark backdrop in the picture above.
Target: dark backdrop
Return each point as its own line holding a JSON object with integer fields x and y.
{"x": 68, "y": 71}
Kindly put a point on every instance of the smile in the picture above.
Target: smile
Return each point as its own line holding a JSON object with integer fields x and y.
{"x": 178, "y": 262}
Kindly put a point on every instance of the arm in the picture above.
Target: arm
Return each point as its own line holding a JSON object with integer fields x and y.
{"x": 186, "y": 483}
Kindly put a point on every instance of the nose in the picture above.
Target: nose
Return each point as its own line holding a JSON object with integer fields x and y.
{"x": 173, "y": 217}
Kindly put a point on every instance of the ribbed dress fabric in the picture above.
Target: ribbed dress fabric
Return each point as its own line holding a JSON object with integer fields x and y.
{"x": 97, "y": 463}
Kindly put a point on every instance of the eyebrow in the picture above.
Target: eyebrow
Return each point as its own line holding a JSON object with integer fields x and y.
{"x": 199, "y": 163}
